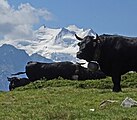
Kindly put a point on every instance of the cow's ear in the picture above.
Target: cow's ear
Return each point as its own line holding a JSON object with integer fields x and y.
{"x": 97, "y": 38}
{"x": 9, "y": 79}
{"x": 78, "y": 37}
{"x": 98, "y": 41}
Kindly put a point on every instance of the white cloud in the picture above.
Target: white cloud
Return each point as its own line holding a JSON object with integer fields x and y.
{"x": 18, "y": 23}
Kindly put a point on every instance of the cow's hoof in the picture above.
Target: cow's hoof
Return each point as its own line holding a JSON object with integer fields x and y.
{"x": 117, "y": 90}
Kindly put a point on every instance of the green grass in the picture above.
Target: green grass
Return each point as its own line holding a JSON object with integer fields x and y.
{"x": 69, "y": 100}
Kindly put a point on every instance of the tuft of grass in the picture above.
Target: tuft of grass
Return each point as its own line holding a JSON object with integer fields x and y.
{"x": 129, "y": 80}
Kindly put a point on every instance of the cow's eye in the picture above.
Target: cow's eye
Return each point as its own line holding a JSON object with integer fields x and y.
{"x": 82, "y": 46}
{"x": 79, "y": 44}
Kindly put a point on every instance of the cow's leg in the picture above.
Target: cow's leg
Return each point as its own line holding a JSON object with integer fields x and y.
{"x": 116, "y": 81}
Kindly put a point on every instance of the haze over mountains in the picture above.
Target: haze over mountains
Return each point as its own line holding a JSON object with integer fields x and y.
{"x": 47, "y": 45}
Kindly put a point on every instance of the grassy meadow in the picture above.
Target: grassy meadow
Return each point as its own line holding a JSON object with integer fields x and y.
{"x": 61, "y": 99}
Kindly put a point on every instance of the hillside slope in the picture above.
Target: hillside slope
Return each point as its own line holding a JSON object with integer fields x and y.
{"x": 68, "y": 100}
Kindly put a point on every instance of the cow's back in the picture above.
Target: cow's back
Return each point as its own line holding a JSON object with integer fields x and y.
{"x": 118, "y": 51}
{"x": 36, "y": 70}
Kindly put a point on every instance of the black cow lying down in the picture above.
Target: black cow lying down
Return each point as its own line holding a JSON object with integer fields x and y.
{"x": 67, "y": 70}
{"x": 115, "y": 54}
{"x": 17, "y": 82}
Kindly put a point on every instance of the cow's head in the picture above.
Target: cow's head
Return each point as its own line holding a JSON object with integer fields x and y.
{"x": 17, "y": 82}
{"x": 89, "y": 49}
{"x": 12, "y": 81}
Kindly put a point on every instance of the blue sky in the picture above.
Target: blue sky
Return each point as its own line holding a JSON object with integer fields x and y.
{"x": 103, "y": 16}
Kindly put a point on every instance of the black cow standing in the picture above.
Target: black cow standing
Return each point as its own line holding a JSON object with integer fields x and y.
{"x": 115, "y": 54}
{"x": 17, "y": 82}
{"x": 67, "y": 70}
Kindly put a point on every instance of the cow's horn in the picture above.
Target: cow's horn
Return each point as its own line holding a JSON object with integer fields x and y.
{"x": 78, "y": 37}
{"x": 97, "y": 37}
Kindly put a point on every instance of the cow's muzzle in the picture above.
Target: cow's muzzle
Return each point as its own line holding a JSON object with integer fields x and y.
{"x": 79, "y": 55}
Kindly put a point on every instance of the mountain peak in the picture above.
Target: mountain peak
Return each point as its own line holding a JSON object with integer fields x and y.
{"x": 73, "y": 28}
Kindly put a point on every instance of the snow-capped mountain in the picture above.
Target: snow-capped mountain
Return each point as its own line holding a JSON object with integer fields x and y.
{"x": 39, "y": 58}
{"x": 47, "y": 41}
{"x": 47, "y": 45}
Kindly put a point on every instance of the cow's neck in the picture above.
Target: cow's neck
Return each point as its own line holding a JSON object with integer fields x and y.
{"x": 97, "y": 53}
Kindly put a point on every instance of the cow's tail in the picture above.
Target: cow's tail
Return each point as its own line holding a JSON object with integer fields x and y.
{"x": 19, "y": 73}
